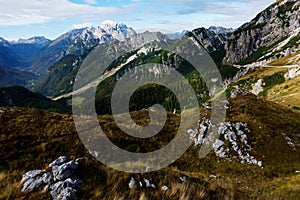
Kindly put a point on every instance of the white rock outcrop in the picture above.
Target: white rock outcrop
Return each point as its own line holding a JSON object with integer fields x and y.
{"x": 60, "y": 180}
{"x": 232, "y": 141}
{"x": 142, "y": 183}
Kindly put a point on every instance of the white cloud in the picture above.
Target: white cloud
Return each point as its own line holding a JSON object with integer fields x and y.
{"x": 90, "y": 2}
{"x": 16, "y": 12}
{"x": 83, "y": 25}
{"x": 189, "y": 14}
{"x": 175, "y": 15}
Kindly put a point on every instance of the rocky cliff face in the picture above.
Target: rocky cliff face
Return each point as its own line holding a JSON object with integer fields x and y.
{"x": 210, "y": 40}
{"x": 221, "y": 30}
{"x": 267, "y": 29}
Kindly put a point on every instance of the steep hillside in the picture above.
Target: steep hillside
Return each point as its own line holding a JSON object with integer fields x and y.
{"x": 20, "y": 96}
{"x": 210, "y": 40}
{"x": 59, "y": 79}
{"x": 278, "y": 81}
{"x": 8, "y": 58}
{"x": 221, "y": 30}
{"x": 11, "y": 77}
{"x": 273, "y": 33}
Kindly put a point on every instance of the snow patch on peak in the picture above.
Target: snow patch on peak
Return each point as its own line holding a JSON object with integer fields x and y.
{"x": 108, "y": 23}
{"x": 112, "y": 30}
{"x": 109, "y": 26}
{"x": 2, "y": 39}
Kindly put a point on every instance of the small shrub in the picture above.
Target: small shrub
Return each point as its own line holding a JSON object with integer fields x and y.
{"x": 296, "y": 108}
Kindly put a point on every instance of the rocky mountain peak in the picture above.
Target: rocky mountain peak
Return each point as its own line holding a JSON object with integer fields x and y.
{"x": 78, "y": 41}
{"x": 118, "y": 31}
{"x": 209, "y": 39}
{"x": 107, "y": 31}
{"x": 3, "y": 42}
{"x": 221, "y": 30}
{"x": 266, "y": 30}
{"x": 2, "y": 39}
{"x": 109, "y": 25}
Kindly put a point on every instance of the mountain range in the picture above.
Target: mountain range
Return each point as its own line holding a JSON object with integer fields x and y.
{"x": 17, "y": 54}
{"x": 77, "y": 42}
{"x": 255, "y": 157}
{"x": 51, "y": 66}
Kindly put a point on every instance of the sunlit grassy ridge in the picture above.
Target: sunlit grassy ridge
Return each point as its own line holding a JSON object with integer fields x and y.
{"x": 276, "y": 87}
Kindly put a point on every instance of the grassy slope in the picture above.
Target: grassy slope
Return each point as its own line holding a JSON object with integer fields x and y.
{"x": 20, "y": 96}
{"x": 58, "y": 79}
{"x": 287, "y": 60}
{"x": 287, "y": 93}
{"x": 278, "y": 90}
{"x": 31, "y": 139}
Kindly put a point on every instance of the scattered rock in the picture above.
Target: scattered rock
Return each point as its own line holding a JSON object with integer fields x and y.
{"x": 48, "y": 178}
{"x": 289, "y": 141}
{"x": 32, "y": 180}
{"x": 61, "y": 188}
{"x": 67, "y": 194}
{"x": 164, "y": 188}
{"x": 132, "y": 183}
{"x": 144, "y": 183}
{"x": 149, "y": 169}
{"x": 207, "y": 106}
{"x": 65, "y": 170}
{"x": 292, "y": 73}
{"x": 30, "y": 175}
{"x": 59, "y": 161}
{"x": 183, "y": 178}
{"x": 148, "y": 184}
{"x": 32, "y": 184}
{"x": 234, "y": 133}
{"x": 212, "y": 176}
{"x": 81, "y": 160}
{"x": 260, "y": 164}
{"x": 61, "y": 181}
{"x": 257, "y": 87}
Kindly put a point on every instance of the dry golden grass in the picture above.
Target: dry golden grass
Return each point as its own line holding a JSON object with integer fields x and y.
{"x": 287, "y": 94}
{"x": 49, "y": 135}
{"x": 10, "y": 184}
{"x": 262, "y": 72}
{"x": 287, "y": 60}
{"x": 143, "y": 197}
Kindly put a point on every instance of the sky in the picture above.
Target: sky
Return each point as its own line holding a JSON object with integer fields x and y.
{"x": 51, "y": 18}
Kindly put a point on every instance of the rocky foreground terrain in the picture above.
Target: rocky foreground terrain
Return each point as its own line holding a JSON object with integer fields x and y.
{"x": 247, "y": 160}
